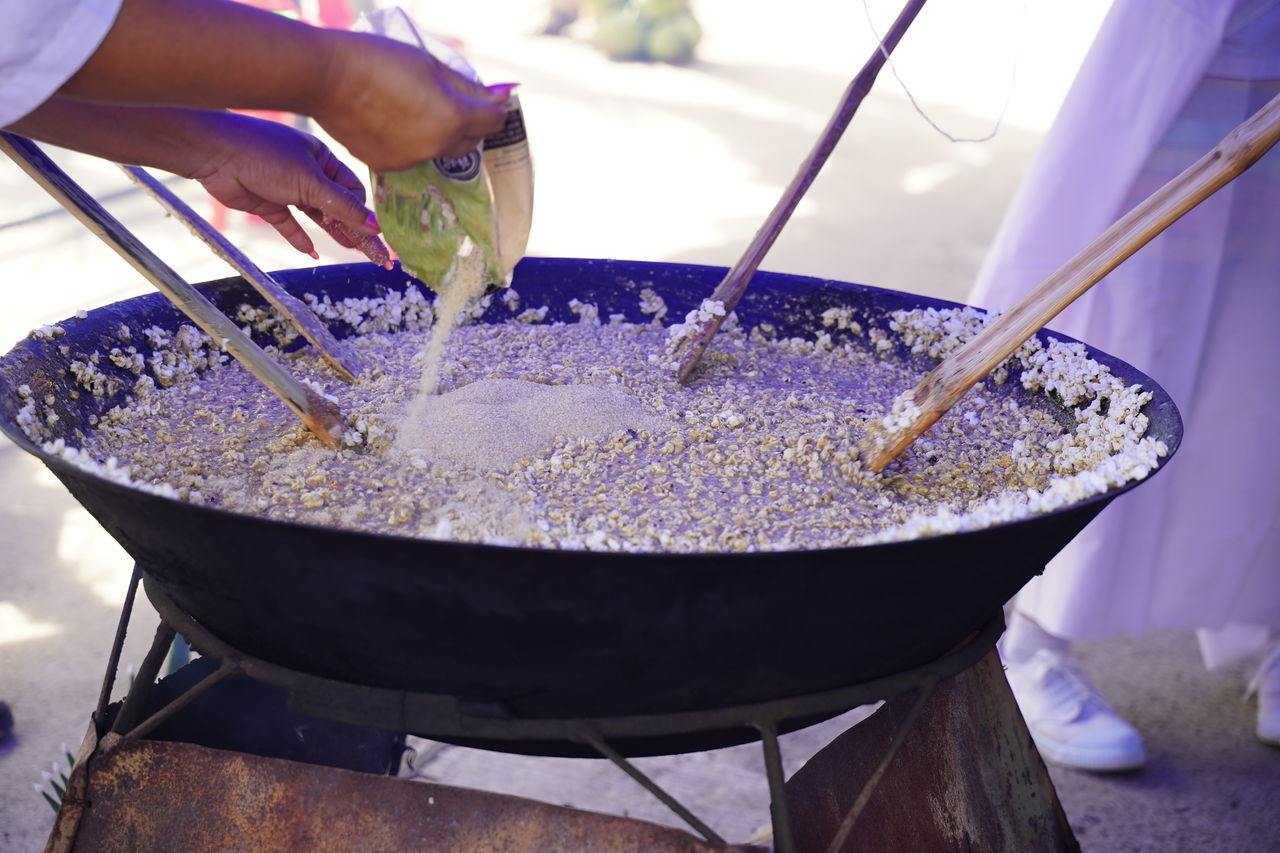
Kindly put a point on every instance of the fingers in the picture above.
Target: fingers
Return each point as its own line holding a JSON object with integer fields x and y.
{"x": 482, "y": 116}
{"x": 346, "y": 219}
{"x": 501, "y": 92}
{"x": 476, "y": 119}
{"x": 393, "y": 105}
{"x": 370, "y": 244}
{"x": 337, "y": 171}
{"x": 340, "y": 234}
{"x": 340, "y": 204}
{"x": 282, "y": 220}
{"x": 465, "y": 86}
{"x": 462, "y": 146}
{"x": 482, "y": 110}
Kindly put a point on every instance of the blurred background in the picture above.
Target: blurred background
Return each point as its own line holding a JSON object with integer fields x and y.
{"x": 658, "y": 161}
{"x": 634, "y": 159}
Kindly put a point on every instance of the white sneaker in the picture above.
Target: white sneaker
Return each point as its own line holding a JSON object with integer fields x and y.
{"x": 1070, "y": 722}
{"x": 1266, "y": 684}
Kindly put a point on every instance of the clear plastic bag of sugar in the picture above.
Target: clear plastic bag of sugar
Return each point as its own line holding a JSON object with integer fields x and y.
{"x": 430, "y": 211}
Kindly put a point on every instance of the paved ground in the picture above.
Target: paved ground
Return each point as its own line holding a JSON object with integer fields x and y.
{"x": 668, "y": 164}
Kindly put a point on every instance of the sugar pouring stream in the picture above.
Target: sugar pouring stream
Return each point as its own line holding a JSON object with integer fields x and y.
{"x": 458, "y": 224}
{"x": 320, "y": 415}
{"x": 918, "y": 409}
{"x": 465, "y": 283}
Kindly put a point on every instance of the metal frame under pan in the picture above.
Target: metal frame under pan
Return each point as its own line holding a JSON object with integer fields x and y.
{"x": 535, "y": 633}
{"x": 614, "y": 738}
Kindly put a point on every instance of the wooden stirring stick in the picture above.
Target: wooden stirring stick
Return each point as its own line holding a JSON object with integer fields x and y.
{"x": 734, "y": 284}
{"x": 334, "y": 351}
{"x": 321, "y": 416}
{"x": 946, "y": 383}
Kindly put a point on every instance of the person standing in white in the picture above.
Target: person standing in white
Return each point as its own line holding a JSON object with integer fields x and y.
{"x": 1198, "y": 309}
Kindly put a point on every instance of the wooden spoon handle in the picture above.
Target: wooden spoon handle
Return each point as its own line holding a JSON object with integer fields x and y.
{"x": 334, "y": 351}
{"x": 735, "y": 282}
{"x": 321, "y": 416}
{"x": 947, "y": 383}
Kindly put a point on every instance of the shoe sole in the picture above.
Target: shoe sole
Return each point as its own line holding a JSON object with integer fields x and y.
{"x": 1096, "y": 760}
{"x": 1268, "y": 728}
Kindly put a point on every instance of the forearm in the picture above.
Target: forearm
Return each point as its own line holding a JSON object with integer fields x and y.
{"x": 390, "y": 104}
{"x": 170, "y": 138}
{"x": 250, "y": 164}
{"x": 208, "y": 53}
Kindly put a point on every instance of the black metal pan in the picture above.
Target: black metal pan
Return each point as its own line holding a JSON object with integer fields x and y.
{"x": 545, "y": 633}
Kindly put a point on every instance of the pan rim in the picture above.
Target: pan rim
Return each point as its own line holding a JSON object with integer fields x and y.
{"x": 1132, "y": 375}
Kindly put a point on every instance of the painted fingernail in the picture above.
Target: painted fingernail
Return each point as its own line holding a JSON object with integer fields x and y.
{"x": 315, "y": 256}
{"x": 372, "y": 224}
{"x": 502, "y": 90}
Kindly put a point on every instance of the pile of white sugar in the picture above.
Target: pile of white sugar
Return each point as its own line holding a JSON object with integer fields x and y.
{"x": 491, "y": 424}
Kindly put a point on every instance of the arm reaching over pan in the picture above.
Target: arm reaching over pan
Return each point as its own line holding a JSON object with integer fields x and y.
{"x": 390, "y": 105}
{"x": 258, "y": 166}
{"x": 153, "y": 87}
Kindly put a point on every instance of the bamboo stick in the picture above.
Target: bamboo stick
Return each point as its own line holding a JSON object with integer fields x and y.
{"x": 334, "y": 351}
{"x": 734, "y": 284}
{"x": 939, "y": 390}
{"x": 321, "y": 416}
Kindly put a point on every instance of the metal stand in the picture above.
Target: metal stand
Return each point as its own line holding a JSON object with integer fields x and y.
{"x": 441, "y": 716}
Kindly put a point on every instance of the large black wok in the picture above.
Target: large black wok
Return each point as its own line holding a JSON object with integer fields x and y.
{"x": 543, "y": 633}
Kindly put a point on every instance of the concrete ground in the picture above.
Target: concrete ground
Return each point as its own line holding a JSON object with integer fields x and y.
{"x": 662, "y": 163}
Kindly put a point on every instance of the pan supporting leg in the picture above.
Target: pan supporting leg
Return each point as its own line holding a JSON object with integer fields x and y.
{"x": 225, "y": 669}
{"x": 779, "y": 812}
{"x": 649, "y": 785}
{"x": 886, "y": 750}
{"x": 779, "y": 809}
{"x": 966, "y": 777}
{"x": 899, "y": 736}
{"x": 129, "y": 722}
{"x": 117, "y": 645}
{"x": 140, "y": 690}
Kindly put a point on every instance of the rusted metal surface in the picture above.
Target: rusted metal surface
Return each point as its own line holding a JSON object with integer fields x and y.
{"x": 966, "y": 778}
{"x": 153, "y": 796}
{"x": 62, "y": 838}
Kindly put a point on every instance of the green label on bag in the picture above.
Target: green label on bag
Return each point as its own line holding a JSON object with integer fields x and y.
{"x": 426, "y": 210}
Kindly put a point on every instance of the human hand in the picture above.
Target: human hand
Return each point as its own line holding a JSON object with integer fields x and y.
{"x": 393, "y": 105}
{"x": 263, "y": 167}
{"x": 390, "y": 104}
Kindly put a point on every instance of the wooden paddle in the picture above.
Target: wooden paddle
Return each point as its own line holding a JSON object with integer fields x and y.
{"x": 339, "y": 356}
{"x": 939, "y": 390}
{"x": 320, "y": 415}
